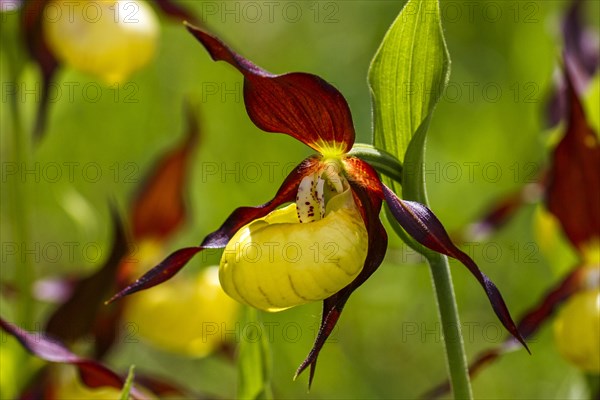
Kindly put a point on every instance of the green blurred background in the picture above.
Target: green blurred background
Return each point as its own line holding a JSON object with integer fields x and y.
{"x": 487, "y": 139}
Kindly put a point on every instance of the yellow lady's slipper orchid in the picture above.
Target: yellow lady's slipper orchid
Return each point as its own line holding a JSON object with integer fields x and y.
{"x": 269, "y": 258}
{"x": 280, "y": 261}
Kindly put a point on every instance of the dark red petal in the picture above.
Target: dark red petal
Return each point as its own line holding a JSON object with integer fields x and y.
{"x": 219, "y": 238}
{"x": 301, "y": 105}
{"x": 420, "y": 222}
{"x": 77, "y": 316}
{"x": 31, "y": 26}
{"x": 363, "y": 174}
{"x": 573, "y": 192}
{"x": 175, "y": 10}
{"x": 528, "y": 325}
{"x": 369, "y": 201}
{"x": 159, "y": 207}
{"x": 92, "y": 373}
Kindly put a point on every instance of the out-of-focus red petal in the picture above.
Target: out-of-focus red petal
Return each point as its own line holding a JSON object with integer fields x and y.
{"x": 31, "y": 26}
{"x": 301, "y": 105}
{"x": 581, "y": 53}
{"x": 219, "y": 238}
{"x": 159, "y": 207}
{"x": 93, "y": 374}
{"x": 420, "y": 222}
{"x": 369, "y": 202}
{"x": 77, "y": 317}
{"x": 175, "y": 10}
{"x": 502, "y": 211}
{"x": 573, "y": 192}
{"x": 528, "y": 325}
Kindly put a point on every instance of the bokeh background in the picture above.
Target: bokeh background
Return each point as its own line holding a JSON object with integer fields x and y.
{"x": 488, "y": 138}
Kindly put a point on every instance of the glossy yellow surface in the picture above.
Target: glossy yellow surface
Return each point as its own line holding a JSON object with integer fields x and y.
{"x": 276, "y": 262}
{"x": 110, "y": 39}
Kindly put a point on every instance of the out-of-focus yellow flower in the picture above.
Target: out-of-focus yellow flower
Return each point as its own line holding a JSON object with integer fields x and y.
{"x": 107, "y": 38}
{"x": 577, "y": 327}
{"x": 185, "y": 316}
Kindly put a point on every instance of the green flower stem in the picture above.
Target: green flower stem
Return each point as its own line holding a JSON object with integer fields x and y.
{"x": 381, "y": 160}
{"x": 442, "y": 283}
{"x": 451, "y": 328}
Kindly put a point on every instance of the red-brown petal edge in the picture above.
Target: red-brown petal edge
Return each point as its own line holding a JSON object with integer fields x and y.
{"x": 573, "y": 192}
{"x": 301, "y": 105}
{"x": 93, "y": 374}
{"x": 159, "y": 207}
{"x": 528, "y": 325}
{"x": 420, "y": 222}
{"x": 31, "y": 26}
{"x": 368, "y": 199}
{"x": 175, "y": 10}
{"x": 501, "y": 212}
{"x": 219, "y": 238}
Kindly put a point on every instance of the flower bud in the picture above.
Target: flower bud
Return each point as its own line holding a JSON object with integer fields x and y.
{"x": 277, "y": 262}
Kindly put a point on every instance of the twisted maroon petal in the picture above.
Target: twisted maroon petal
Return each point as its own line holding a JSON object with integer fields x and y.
{"x": 420, "y": 222}
{"x": 528, "y": 325}
{"x": 219, "y": 238}
{"x": 301, "y": 105}
{"x": 92, "y": 373}
{"x": 368, "y": 200}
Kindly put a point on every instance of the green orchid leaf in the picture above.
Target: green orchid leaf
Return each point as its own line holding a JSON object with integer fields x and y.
{"x": 125, "y": 392}
{"x": 254, "y": 363}
{"x": 407, "y": 76}
{"x": 413, "y": 175}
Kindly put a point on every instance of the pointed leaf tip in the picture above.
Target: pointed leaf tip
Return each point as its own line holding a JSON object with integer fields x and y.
{"x": 408, "y": 75}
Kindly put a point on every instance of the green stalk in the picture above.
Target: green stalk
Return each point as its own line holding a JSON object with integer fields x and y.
{"x": 453, "y": 340}
{"x": 444, "y": 290}
{"x": 381, "y": 160}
